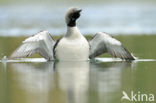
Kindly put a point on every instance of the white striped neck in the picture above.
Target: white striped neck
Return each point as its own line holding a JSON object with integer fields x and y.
{"x": 73, "y": 32}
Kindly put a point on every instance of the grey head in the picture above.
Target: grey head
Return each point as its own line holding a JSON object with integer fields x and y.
{"x": 72, "y": 15}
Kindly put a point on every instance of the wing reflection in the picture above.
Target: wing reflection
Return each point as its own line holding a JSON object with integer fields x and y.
{"x": 66, "y": 82}
{"x": 106, "y": 79}
{"x": 31, "y": 82}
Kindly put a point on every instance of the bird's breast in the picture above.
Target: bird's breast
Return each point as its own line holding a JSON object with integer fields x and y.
{"x": 72, "y": 49}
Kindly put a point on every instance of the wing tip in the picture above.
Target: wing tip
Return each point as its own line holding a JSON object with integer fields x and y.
{"x": 130, "y": 57}
{"x": 13, "y": 55}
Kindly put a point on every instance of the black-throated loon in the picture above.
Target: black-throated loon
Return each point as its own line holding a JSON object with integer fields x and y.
{"x": 73, "y": 46}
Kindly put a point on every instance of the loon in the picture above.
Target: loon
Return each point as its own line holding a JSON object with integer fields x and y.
{"x": 73, "y": 46}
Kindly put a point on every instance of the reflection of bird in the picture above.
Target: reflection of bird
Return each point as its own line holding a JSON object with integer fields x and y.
{"x": 73, "y": 46}
{"x": 125, "y": 96}
{"x": 70, "y": 81}
{"x": 107, "y": 77}
{"x": 34, "y": 81}
{"x": 74, "y": 79}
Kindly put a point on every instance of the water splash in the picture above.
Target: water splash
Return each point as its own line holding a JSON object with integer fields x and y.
{"x": 4, "y": 61}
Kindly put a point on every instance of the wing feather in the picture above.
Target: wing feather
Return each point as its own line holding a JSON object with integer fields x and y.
{"x": 103, "y": 43}
{"x": 41, "y": 43}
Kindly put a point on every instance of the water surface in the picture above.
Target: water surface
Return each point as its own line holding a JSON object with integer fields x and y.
{"x": 74, "y": 82}
{"x": 38, "y": 81}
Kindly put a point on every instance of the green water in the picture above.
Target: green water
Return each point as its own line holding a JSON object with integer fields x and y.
{"x": 78, "y": 82}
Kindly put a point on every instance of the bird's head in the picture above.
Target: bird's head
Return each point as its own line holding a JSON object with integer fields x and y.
{"x": 72, "y": 15}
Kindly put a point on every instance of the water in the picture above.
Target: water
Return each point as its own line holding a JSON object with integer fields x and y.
{"x": 114, "y": 18}
{"x": 74, "y": 82}
{"x": 34, "y": 80}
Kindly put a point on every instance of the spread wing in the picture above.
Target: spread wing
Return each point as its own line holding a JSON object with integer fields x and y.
{"x": 41, "y": 43}
{"x": 103, "y": 43}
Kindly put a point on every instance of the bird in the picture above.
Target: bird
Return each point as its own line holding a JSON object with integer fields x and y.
{"x": 73, "y": 46}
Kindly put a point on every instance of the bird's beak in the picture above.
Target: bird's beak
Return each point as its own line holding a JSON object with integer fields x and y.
{"x": 79, "y": 10}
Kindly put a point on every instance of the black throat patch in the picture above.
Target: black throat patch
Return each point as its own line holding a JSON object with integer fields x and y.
{"x": 73, "y": 17}
{"x": 71, "y": 23}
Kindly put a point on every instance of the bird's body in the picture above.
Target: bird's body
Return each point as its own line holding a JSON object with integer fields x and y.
{"x": 73, "y": 46}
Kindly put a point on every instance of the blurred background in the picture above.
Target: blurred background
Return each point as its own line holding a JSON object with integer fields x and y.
{"x": 26, "y": 17}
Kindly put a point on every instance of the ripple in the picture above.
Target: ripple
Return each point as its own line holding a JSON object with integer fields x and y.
{"x": 96, "y": 60}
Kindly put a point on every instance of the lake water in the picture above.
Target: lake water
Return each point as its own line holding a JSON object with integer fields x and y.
{"x": 38, "y": 81}
{"x": 33, "y": 80}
